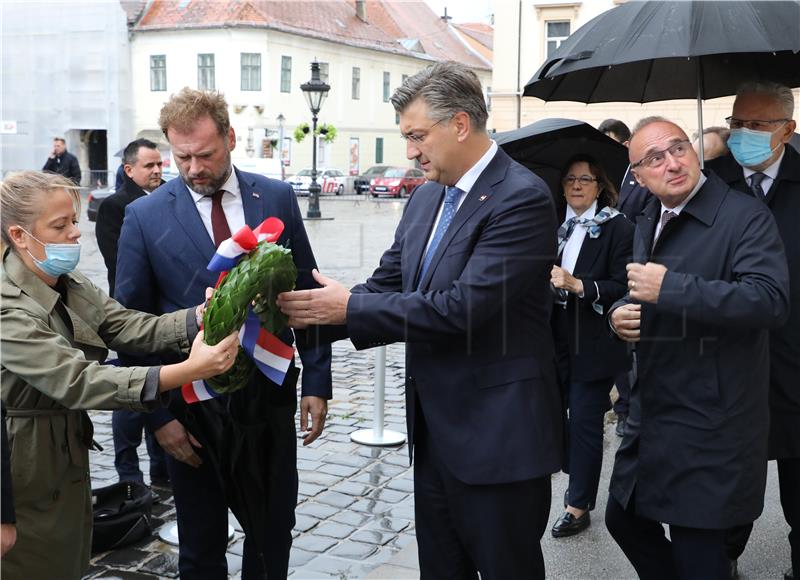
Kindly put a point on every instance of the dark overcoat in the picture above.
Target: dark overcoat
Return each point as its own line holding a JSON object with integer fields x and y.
{"x": 783, "y": 199}
{"x": 695, "y": 450}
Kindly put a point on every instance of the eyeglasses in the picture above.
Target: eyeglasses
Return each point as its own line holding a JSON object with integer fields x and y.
{"x": 417, "y": 139}
{"x": 657, "y": 159}
{"x": 583, "y": 180}
{"x": 754, "y": 125}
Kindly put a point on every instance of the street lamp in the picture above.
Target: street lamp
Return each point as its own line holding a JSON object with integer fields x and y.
{"x": 315, "y": 91}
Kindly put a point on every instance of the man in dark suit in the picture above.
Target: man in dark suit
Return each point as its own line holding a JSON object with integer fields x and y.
{"x": 167, "y": 240}
{"x": 466, "y": 286}
{"x": 142, "y": 166}
{"x": 773, "y": 177}
{"x": 708, "y": 280}
{"x": 63, "y": 162}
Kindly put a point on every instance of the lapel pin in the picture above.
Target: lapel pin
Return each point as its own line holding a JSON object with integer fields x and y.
{"x": 256, "y": 195}
{"x": 483, "y": 197}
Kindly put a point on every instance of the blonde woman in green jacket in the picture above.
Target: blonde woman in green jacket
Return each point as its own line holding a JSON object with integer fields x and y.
{"x": 56, "y": 328}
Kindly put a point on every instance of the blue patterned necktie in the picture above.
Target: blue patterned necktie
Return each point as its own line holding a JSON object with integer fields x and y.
{"x": 451, "y": 197}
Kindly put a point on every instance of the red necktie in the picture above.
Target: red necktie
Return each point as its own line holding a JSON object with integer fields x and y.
{"x": 219, "y": 224}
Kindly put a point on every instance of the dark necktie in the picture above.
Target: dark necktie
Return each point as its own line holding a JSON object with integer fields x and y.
{"x": 451, "y": 196}
{"x": 755, "y": 184}
{"x": 219, "y": 224}
{"x": 665, "y": 219}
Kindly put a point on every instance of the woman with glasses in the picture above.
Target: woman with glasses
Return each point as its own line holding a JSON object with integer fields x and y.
{"x": 594, "y": 246}
{"x": 55, "y": 331}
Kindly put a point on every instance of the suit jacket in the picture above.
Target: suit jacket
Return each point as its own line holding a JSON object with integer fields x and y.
{"x": 66, "y": 165}
{"x": 783, "y": 199}
{"x": 479, "y": 352}
{"x": 695, "y": 449}
{"x": 632, "y": 196}
{"x": 586, "y": 351}
{"x": 164, "y": 249}
{"x": 109, "y": 224}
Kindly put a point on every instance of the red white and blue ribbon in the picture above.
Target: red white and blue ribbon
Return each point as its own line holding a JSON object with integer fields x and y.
{"x": 271, "y": 355}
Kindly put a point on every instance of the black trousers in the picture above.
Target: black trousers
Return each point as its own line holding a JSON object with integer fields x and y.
{"x": 623, "y": 383}
{"x": 588, "y": 403}
{"x": 203, "y": 511}
{"x": 690, "y": 553}
{"x": 789, "y": 485}
{"x": 463, "y": 529}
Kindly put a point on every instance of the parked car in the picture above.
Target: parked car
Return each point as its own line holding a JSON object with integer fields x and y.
{"x": 397, "y": 182}
{"x": 266, "y": 166}
{"x": 362, "y": 182}
{"x": 330, "y": 180}
{"x": 95, "y": 198}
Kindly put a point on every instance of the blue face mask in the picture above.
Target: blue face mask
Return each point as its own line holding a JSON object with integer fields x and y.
{"x": 59, "y": 258}
{"x": 751, "y": 148}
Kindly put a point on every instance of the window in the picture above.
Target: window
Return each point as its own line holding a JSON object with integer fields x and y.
{"x": 387, "y": 81}
{"x": 557, "y": 32}
{"x": 378, "y": 149}
{"x": 286, "y": 74}
{"x": 323, "y": 72}
{"x": 356, "y": 91}
{"x": 158, "y": 72}
{"x": 205, "y": 72}
{"x": 251, "y": 71}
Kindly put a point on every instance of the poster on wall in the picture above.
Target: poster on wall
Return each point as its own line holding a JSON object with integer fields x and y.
{"x": 354, "y": 156}
{"x": 286, "y": 151}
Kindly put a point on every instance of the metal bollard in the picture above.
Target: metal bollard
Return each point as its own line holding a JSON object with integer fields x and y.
{"x": 377, "y": 436}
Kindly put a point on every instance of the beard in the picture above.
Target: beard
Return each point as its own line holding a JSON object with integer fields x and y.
{"x": 215, "y": 180}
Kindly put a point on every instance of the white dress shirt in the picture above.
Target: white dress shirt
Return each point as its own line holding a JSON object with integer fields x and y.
{"x": 679, "y": 208}
{"x": 573, "y": 246}
{"x": 231, "y": 205}
{"x": 465, "y": 184}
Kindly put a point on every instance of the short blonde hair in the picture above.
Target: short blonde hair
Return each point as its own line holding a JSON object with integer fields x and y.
{"x": 21, "y": 198}
{"x": 184, "y": 109}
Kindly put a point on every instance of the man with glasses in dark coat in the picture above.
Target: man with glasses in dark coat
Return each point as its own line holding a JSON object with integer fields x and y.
{"x": 762, "y": 164}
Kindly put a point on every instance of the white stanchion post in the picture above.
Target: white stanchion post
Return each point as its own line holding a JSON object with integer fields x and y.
{"x": 378, "y": 436}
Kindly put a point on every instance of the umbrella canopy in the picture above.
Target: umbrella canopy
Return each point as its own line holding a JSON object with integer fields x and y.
{"x": 546, "y": 146}
{"x": 644, "y": 51}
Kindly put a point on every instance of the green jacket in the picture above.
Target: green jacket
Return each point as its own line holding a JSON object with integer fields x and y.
{"x": 49, "y": 373}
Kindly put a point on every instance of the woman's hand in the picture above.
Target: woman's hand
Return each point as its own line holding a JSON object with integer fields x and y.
{"x": 560, "y": 278}
{"x": 209, "y": 361}
{"x": 201, "y": 308}
{"x": 204, "y": 362}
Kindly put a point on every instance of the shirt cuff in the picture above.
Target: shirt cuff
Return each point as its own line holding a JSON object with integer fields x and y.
{"x": 192, "y": 328}
{"x": 151, "y": 398}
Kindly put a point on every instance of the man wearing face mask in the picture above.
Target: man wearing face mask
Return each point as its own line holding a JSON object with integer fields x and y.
{"x": 762, "y": 164}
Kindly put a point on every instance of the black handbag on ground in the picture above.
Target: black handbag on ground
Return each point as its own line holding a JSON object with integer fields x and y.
{"x": 122, "y": 514}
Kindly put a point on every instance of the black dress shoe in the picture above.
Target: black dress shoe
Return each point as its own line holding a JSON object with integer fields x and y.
{"x": 569, "y": 525}
{"x": 621, "y": 420}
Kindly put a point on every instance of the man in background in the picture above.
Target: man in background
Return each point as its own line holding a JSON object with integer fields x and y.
{"x": 63, "y": 162}
{"x": 715, "y": 141}
{"x": 761, "y": 163}
{"x": 141, "y": 161}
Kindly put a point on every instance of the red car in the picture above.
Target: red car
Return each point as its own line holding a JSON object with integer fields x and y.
{"x": 396, "y": 182}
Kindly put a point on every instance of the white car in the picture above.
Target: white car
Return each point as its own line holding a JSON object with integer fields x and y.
{"x": 330, "y": 180}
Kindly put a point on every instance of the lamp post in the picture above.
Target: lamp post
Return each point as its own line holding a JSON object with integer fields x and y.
{"x": 315, "y": 91}
{"x": 280, "y": 118}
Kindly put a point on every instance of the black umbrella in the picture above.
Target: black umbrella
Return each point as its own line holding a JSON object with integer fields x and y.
{"x": 545, "y": 146}
{"x": 657, "y": 51}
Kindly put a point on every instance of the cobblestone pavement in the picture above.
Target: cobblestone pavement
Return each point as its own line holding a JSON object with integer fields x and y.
{"x": 355, "y": 507}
